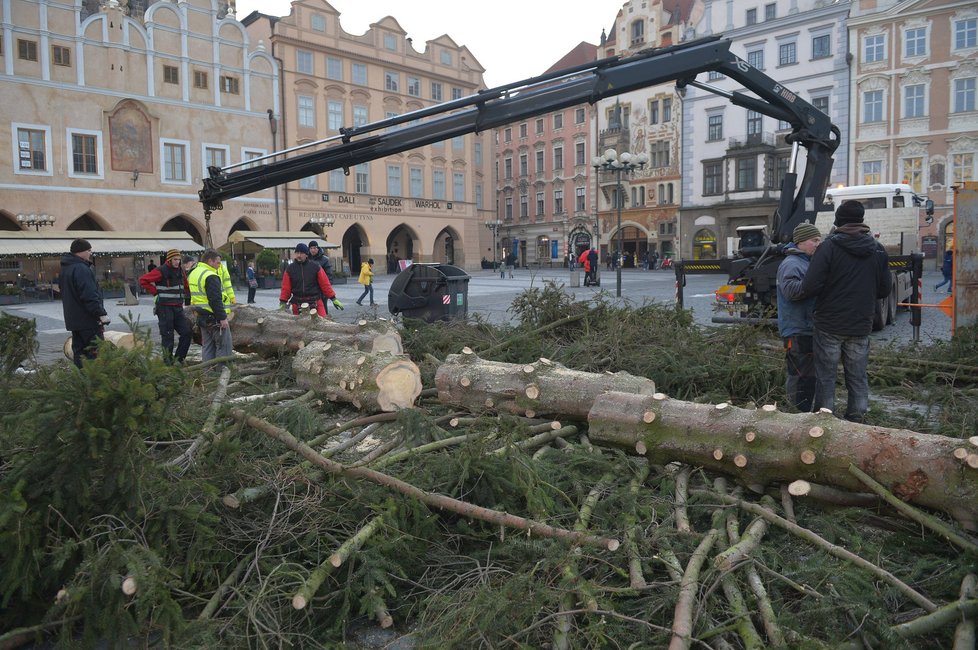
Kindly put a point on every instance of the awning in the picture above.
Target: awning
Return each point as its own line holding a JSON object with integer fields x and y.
{"x": 278, "y": 240}
{"x": 20, "y": 243}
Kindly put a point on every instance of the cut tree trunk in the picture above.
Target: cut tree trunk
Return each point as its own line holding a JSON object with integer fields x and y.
{"x": 536, "y": 389}
{"x": 273, "y": 332}
{"x": 762, "y": 446}
{"x": 370, "y": 381}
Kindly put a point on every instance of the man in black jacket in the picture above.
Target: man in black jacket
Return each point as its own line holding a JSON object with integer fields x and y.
{"x": 81, "y": 299}
{"x": 316, "y": 255}
{"x": 849, "y": 272}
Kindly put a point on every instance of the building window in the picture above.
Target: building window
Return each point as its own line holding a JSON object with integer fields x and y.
{"x": 580, "y": 201}
{"x": 913, "y": 173}
{"x": 523, "y": 130}
{"x": 390, "y": 42}
{"x": 337, "y": 180}
{"x": 751, "y": 18}
{"x": 438, "y": 184}
{"x": 392, "y": 81}
{"x": 755, "y": 123}
{"x": 913, "y": 100}
{"x": 524, "y": 166}
{"x": 746, "y": 173}
{"x": 821, "y": 103}
{"x": 360, "y": 74}
{"x": 457, "y": 93}
{"x": 362, "y": 178}
{"x": 303, "y": 62}
{"x": 477, "y": 153}
{"x": 26, "y": 50}
{"x": 713, "y": 75}
{"x": 579, "y": 116}
{"x": 416, "y": 182}
{"x": 539, "y": 212}
{"x": 414, "y": 86}
{"x": 787, "y": 54}
{"x": 318, "y": 23}
{"x": 32, "y": 149}
{"x": 478, "y": 197}
{"x": 872, "y": 172}
{"x": 539, "y": 126}
{"x": 964, "y": 95}
{"x": 361, "y": 115}
{"x": 394, "y": 180}
{"x": 508, "y": 168}
{"x": 229, "y": 85}
{"x": 558, "y": 201}
{"x": 915, "y": 42}
{"x": 873, "y": 106}
{"x": 874, "y": 48}
{"x": 334, "y": 111}
{"x": 821, "y": 46}
{"x": 61, "y": 55}
{"x": 174, "y": 162}
{"x": 580, "y": 156}
{"x": 334, "y": 68}
{"x": 509, "y": 208}
{"x": 780, "y": 170}
{"x": 458, "y": 143}
{"x": 84, "y": 154}
{"x": 458, "y": 186}
{"x": 171, "y": 74}
{"x": 308, "y": 183}
{"x": 659, "y": 156}
{"x": 215, "y": 156}
{"x": 714, "y": 128}
{"x": 712, "y": 178}
{"x": 962, "y": 168}
{"x": 756, "y": 59}
{"x": 446, "y": 57}
{"x": 508, "y": 135}
{"x": 638, "y": 32}
{"x": 770, "y": 11}
{"x": 654, "y": 111}
{"x": 306, "y": 111}
{"x": 436, "y": 93}
{"x": 539, "y": 161}
{"x": 965, "y": 33}
{"x": 783, "y": 125}
{"x": 524, "y": 206}
{"x": 558, "y": 160}
{"x": 558, "y": 121}
{"x": 251, "y": 154}
{"x": 666, "y": 110}
{"x": 200, "y": 79}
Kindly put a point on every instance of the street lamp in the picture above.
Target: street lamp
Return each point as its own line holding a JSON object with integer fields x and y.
{"x": 323, "y": 221}
{"x": 626, "y": 163}
{"x": 494, "y": 227}
{"x": 36, "y": 220}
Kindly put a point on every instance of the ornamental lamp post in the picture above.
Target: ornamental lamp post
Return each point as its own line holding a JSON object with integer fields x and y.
{"x": 626, "y": 163}
{"x": 494, "y": 227}
{"x": 36, "y": 220}
{"x": 327, "y": 221}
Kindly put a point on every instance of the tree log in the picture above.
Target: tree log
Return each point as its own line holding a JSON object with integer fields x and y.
{"x": 542, "y": 388}
{"x": 269, "y": 333}
{"x": 920, "y": 468}
{"x": 371, "y": 381}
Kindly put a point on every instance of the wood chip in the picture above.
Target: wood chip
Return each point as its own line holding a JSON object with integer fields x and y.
{"x": 467, "y": 350}
{"x": 546, "y": 362}
{"x": 825, "y": 410}
{"x": 640, "y": 448}
{"x": 648, "y": 416}
{"x": 342, "y": 385}
{"x": 769, "y": 408}
{"x": 816, "y": 432}
{"x": 532, "y": 391}
{"x": 327, "y": 346}
{"x": 808, "y": 457}
{"x": 361, "y": 360}
{"x": 960, "y": 453}
{"x": 750, "y": 436}
{"x": 740, "y": 460}
{"x": 718, "y": 454}
{"x": 721, "y": 406}
{"x": 799, "y": 488}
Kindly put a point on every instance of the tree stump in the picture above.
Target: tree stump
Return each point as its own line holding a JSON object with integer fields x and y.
{"x": 270, "y": 333}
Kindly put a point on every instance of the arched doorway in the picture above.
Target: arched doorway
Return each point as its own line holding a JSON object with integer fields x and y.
{"x": 445, "y": 246}
{"x": 354, "y": 241}
{"x": 87, "y": 221}
{"x": 704, "y": 245}
{"x": 634, "y": 244}
{"x": 183, "y": 224}
{"x": 401, "y": 245}
{"x": 8, "y": 221}
{"x": 580, "y": 241}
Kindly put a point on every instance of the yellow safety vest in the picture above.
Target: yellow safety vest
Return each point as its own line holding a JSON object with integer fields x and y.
{"x": 197, "y": 278}
{"x": 227, "y": 291}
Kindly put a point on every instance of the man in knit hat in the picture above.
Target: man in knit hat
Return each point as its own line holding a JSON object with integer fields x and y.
{"x": 168, "y": 285}
{"x": 849, "y": 272}
{"x": 305, "y": 282}
{"x": 81, "y": 300}
{"x": 796, "y": 317}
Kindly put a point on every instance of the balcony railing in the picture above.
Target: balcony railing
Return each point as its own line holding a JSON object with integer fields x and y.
{"x": 751, "y": 140}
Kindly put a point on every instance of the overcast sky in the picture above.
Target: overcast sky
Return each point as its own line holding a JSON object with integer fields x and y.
{"x": 512, "y": 39}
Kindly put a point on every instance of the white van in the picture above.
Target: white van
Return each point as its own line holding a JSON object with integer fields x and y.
{"x": 893, "y": 213}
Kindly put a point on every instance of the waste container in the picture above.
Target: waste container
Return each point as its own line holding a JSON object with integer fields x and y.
{"x": 575, "y": 278}
{"x": 430, "y": 292}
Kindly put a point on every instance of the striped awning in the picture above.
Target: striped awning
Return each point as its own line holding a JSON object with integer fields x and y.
{"x": 21, "y": 243}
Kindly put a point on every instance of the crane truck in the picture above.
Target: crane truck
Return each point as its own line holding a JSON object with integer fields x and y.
{"x": 801, "y": 195}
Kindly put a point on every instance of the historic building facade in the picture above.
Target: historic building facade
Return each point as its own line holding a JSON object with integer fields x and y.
{"x": 426, "y": 204}
{"x": 913, "y": 110}
{"x": 734, "y": 159}
{"x": 111, "y": 114}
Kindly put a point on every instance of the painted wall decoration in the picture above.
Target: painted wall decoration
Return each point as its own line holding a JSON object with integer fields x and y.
{"x": 131, "y": 136}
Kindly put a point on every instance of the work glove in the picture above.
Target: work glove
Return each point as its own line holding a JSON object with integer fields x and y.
{"x": 282, "y": 306}
{"x": 105, "y": 320}
{"x": 337, "y": 303}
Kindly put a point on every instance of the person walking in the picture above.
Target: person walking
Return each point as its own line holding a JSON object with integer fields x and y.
{"x": 168, "y": 285}
{"x": 207, "y": 301}
{"x": 252, "y": 282}
{"x": 585, "y": 262}
{"x": 81, "y": 300}
{"x": 305, "y": 281}
{"x": 592, "y": 259}
{"x": 367, "y": 280}
{"x": 796, "y": 318}
{"x": 947, "y": 270}
{"x": 848, "y": 273}
{"x": 316, "y": 255}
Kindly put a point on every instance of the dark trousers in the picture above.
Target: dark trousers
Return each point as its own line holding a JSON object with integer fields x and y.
{"x": 172, "y": 319}
{"x": 84, "y": 342}
{"x": 251, "y": 294}
{"x": 853, "y": 351}
{"x": 799, "y": 360}
{"x": 367, "y": 288}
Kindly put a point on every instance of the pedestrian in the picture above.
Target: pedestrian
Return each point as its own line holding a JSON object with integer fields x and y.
{"x": 367, "y": 280}
{"x": 653, "y": 260}
{"x": 252, "y": 282}
{"x": 585, "y": 262}
{"x": 796, "y": 318}
{"x": 848, "y": 273}
{"x": 81, "y": 300}
{"x": 592, "y": 259}
{"x": 947, "y": 270}
{"x": 316, "y": 255}
{"x": 168, "y": 285}
{"x": 305, "y": 281}
{"x": 207, "y": 301}
{"x": 150, "y": 266}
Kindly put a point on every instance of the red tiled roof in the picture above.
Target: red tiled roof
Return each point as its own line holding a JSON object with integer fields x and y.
{"x": 583, "y": 52}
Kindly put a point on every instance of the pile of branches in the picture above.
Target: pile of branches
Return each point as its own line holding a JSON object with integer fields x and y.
{"x": 197, "y": 507}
